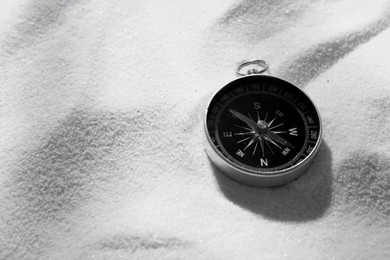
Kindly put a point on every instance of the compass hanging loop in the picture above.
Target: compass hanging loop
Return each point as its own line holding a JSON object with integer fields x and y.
{"x": 252, "y": 67}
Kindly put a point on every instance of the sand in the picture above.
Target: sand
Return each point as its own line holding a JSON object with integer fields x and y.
{"x": 101, "y": 136}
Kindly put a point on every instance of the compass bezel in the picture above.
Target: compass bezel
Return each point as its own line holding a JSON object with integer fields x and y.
{"x": 260, "y": 177}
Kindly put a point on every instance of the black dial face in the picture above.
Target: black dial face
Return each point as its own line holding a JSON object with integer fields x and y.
{"x": 263, "y": 124}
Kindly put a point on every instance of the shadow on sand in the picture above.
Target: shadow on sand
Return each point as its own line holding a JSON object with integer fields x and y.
{"x": 306, "y": 198}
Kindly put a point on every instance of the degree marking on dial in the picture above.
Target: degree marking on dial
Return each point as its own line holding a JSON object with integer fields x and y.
{"x": 219, "y": 103}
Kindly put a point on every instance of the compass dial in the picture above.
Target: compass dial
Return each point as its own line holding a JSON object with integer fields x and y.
{"x": 263, "y": 125}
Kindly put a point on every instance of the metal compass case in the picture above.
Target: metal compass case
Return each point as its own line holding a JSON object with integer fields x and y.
{"x": 261, "y": 130}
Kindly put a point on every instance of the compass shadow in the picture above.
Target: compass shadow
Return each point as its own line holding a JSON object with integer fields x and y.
{"x": 306, "y": 198}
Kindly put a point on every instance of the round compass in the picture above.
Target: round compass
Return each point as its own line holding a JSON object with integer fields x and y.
{"x": 262, "y": 130}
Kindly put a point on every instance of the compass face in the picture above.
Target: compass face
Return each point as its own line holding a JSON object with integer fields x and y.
{"x": 262, "y": 124}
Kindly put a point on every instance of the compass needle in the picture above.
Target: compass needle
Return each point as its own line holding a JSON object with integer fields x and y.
{"x": 272, "y": 151}
{"x": 262, "y": 145}
{"x": 267, "y": 138}
{"x": 245, "y": 119}
{"x": 280, "y": 140}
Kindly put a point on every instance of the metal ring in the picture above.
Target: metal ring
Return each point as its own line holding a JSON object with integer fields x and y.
{"x": 261, "y": 64}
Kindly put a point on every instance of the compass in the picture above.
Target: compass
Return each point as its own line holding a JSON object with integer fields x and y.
{"x": 262, "y": 130}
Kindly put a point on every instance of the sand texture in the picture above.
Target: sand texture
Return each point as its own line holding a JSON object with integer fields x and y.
{"x": 102, "y": 141}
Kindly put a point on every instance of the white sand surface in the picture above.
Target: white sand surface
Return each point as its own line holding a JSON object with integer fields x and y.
{"x": 101, "y": 136}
